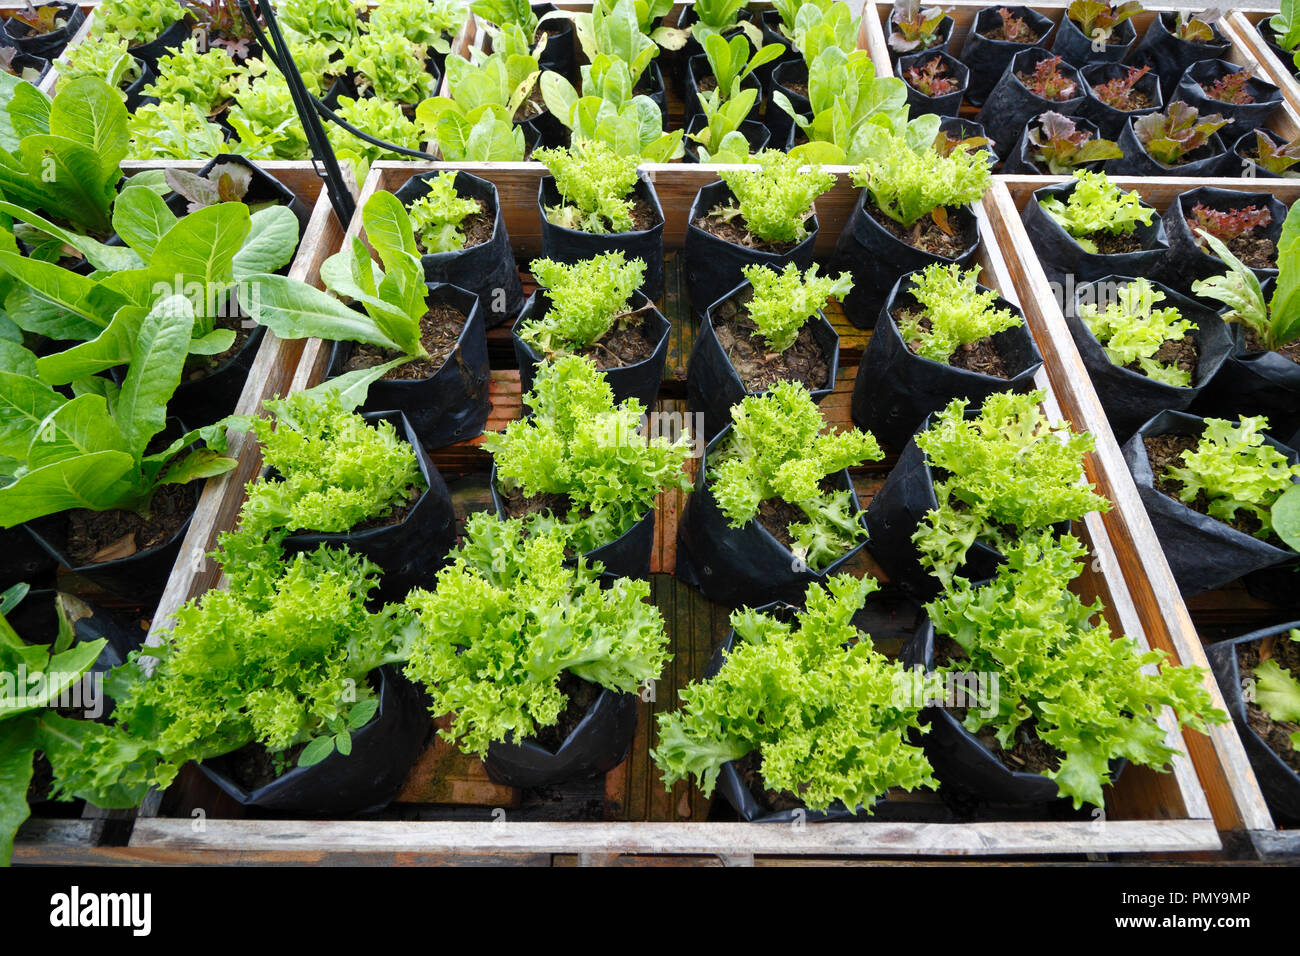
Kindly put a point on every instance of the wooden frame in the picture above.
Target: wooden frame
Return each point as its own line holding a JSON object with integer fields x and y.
{"x": 1246, "y": 27}
{"x": 1220, "y": 759}
{"x": 1148, "y": 812}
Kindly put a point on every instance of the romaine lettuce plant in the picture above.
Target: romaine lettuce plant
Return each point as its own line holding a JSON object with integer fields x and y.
{"x": 1097, "y": 206}
{"x": 1057, "y": 143}
{"x": 580, "y": 445}
{"x": 915, "y": 27}
{"x": 1172, "y": 136}
{"x": 1007, "y": 472}
{"x": 775, "y": 199}
{"x": 596, "y": 185}
{"x": 609, "y": 112}
{"x": 783, "y": 302}
{"x": 1275, "y": 322}
{"x": 436, "y": 216}
{"x": 908, "y": 181}
{"x": 588, "y": 298}
{"x": 1132, "y": 331}
{"x": 731, "y": 62}
{"x": 813, "y": 696}
{"x": 720, "y": 140}
{"x": 954, "y": 312}
{"x": 1236, "y": 472}
{"x": 503, "y": 13}
{"x": 776, "y": 449}
{"x": 615, "y": 31}
{"x": 483, "y": 134}
{"x": 136, "y": 21}
{"x": 504, "y": 78}
{"x": 720, "y": 17}
{"x": 509, "y": 617}
{"x": 1087, "y": 694}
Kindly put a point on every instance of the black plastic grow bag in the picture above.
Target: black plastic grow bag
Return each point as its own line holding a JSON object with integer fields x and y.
{"x": 778, "y": 120}
{"x": 713, "y": 265}
{"x": 639, "y": 381}
{"x": 896, "y": 389}
{"x": 987, "y": 59}
{"x": 1131, "y": 398}
{"x": 26, "y": 61}
{"x": 263, "y": 188}
{"x": 45, "y": 46}
{"x": 1187, "y": 261}
{"x": 1010, "y": 104}
{"x": 1020, "y": 160}
{"x": 1203, "y": 552}
{"x": 1068, "y": 265}
{"x": 570, "y": 245}
{"x": 627, "y": 556}
{"x": 1212, "y": 159}
{"x": 486, "y": 270}
{"x": 1278, "y": 782}
{"x": 1168, "y": 56}
{"x": 23, "y": 560}
{"x": 411, "y": 551}
{"x": 1255, "y": 383}
{"x": 170, "y": 39}
{"x": 946, "y": 104}
{"x": 1111, "y": 121}
{"x": 558, "y": 56}
{"x": 450, "y": 405}
{"x": 366, "y": 780}
{"x": 878, "y": 260}
{"x": 1077, "y": 49}
{"x": 730, "y": 565}
{"x": 942, "y": 34}
{"x": 1241, "y": 117}
{"x": 712, "y": 384}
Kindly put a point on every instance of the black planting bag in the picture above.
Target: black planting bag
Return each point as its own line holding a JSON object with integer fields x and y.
{"x": 1076, "y": 48}
{"x": 558, "y": 55}
{"x": 163, "y": 44}
{"x": 756, "y": 134}
{"x": 946, "y": 104}
{"x": 1020, "y": 161}
{"x": 1255, "y": 383}
{"x": 1169, "y": 57}
{"x": 1109, "y": 120}
{"x": 987, "y": 59}
{"x": 1011, "y": 104}
{"x": 45, "y": 46}
{"x": 22, "y": 559}
{"x": 1212, "y": 159}
{"x": 1242, "y": 117}
{"x": 778, "y": 120}
{"x": 1186, "y": 261}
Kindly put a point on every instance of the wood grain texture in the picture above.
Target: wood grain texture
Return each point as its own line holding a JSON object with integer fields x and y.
{"x": 1246, "y": 32}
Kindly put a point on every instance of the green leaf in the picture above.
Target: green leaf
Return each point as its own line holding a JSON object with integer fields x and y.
{"x": 316, "y": 751}
{"x": 51, "y": 284}
{"x": 272, "y": 239}
{"x": 155, "y": 370}
{"x": 295, "y": 310}
{"x": 91, "y": 481}
{"x": 10, "y": 598}
{"x": 343, "y": 741}
{"x": 87, "y": 107}
{"x": 81, "y": 427}
{"x": 1276, "y": 691}
{"x": 352, "y": 387}
{"x": 112, "y": 347}
{"x": 17, "y": 752}
{"x": 1286, "y": 517}
{"x": 102, "y": 257}
{"x": 361, "y": 714}
{"x": 1284, "y": 309}
{"x": 141, "y": 218}
{"x": 15, "y": 358}
{"x": 202, "y": 246}
{"x": 24, "y": 404}
{"x": 201, "y": 463}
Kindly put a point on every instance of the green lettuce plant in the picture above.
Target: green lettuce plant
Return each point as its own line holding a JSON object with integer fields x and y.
{"x": 1236, "y": 472}
{"x": 136, "y": 21}
{"x": 333, "y": 20}
{"x": 509, "y": 617}
{"x": 609, "y": 112}
{"x": 1099, "y": 19}
{"x": 777, "y": 450}
{"x": 504, "y": 78}
{"x": 1277, "y": 692}
{"x": 588, "y": 298}
{"x": 915, "y": 27}
{"x": 954, "y": 312}
{"x": 265, "y": 120}
{"x": 1276, "y": 322}
{"x": 436, "y": 216}
{"x": 775, "y": 199}
{"x": 1056, "y": 142}
{"x": 596, "y": 185}
{"x": 1172, "y": 136}
{"x": 1007, "y": 472}
{"x": 209, "y": 79}
{"x": 1091, "y": 696}
{"x": 1132, "y": 330}
{"x": 820, "y": 26}
{"x": 1097, "y": 206}
{"x": 720, "y": 17}
{"x": 426, "y": 23}
{"x": 578, "y": 443}
{"x": 812, "y": 696}
{"x": 731, "y": 62}
{"x": 390, "y": 66}
{"x": 484, "y": 134}
{"x": 174, "y": 129}
{"x": 783, "y": 302}
{"x": 614, "y": 30}
{"x": 502, "y": 13}
{"x": 379, "y": 118}
{"x": 720, "y": 139}
{"x": 1275, "y": 154}
{"x": 106, "y": 58}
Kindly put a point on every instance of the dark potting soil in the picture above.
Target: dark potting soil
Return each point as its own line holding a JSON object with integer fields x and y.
{"x": 477, "y": 228}
{"x": 95, "y": 536}
{"x": 252, "y": 766}
{"x": 1030, "y": 754}
{"x": 706, "y": 84}
{"x": 982, "y": 357}
{"x": 1275, "y": 733}
{"x": 625, "y": 344}
{"x": 733, "y": 229}
{"x": 1181, "y": 353}
{"x": 926, "y": 235}
{"x": 799, "y": 87}
{"x": 1108, "y": 245}
{"x": 1133, "y": 100}
{"x": 751, "y": 772}
{"x": 200, "y": 366}
{"x": 582, "y": 694}
{"x": 777, "y": 514}
{"x": 1164, "y": 451}
{"x": 1256, "y": 251}
{"x": 520, "y": 505}
{"x": 1061, "y": 97}
{"x": 439, "y": 330}
{"x": 758, "y": 368}
{"x": 1255, "y": 345}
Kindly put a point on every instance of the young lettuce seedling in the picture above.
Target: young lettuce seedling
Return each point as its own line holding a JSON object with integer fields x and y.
{"x": 136, "y": 21}
{"x": 721, "y": 141}
{"x": 595, "y": 185}
{"x": 1173, "y": 136}
{"x": 1096, "y": 206}
{"x": 954, "y": 312}
{"x": 1057, "y": 142}
{"x": 731, "y": 63}
{"x": 784, "y": 301}
{"x": 588, "y": 299}
{"x": 1132, "y": 331}
{"x": 1099, "y": 19}
{"x": 437, "y": 216}
{"x": 776, "y": 199}
{"x": 915, "y": 27}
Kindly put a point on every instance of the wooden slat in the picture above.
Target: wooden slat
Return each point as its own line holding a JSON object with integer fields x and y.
{"x": 1247, "y": 30}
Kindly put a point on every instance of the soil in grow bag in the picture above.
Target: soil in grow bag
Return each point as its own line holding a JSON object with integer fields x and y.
{"x": 1204, "y": 553}
{"x": 936, "y": 82}
{"x": 1033, "y": 83}
{"x": 896, "y": 389}
{"x": 48, "y": 45}
{"x": 987, "y": 50}
{"x": 485, "y": 266}
{"x": 631, "y": 355}
{"x": 1245, "y": 101}
{"x": 26, "y": 67}
{"x": 717, "y": 248}
{"x": 1115, "y": 93}
{"x": 1079, "y": 49}
{"x": 1128, "y": 395}
{"x": 591, "y": 737}
{"x": 1267, "y": 742}
{"x": 445, "y": 396}
{"x": 410, "y": 543}
{"x": 700, "y": 80}
{"x": 1068, "y": 265}
{"x": 1169, "y": 57}
{"x": 365, "y": 780}
{"x": 731, "y": 360}
{"x": 1190, "y": 260}
{"x": 878, "y": 251}
{"x": 645, "y": 241}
